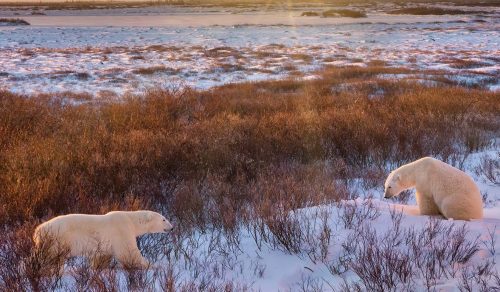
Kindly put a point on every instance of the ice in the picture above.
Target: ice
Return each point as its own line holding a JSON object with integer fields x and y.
{"x": 32, "y": 57}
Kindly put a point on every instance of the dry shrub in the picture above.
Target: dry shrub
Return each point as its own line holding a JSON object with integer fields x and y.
{"x": 404, "y": 258}
{"x": 489, "y": 168}
{"x": 284, "y": 227}
{"x": 309, "y": 13}
{"x": 353, "y": 215}
{"x": 380, "y": 266}
{"x": 432, "y": 11}
{"x": 237, "y": 155}
{"x": 14, "y": 21}
{"x": 343, "y": 13}
{"x": 219, "y": 52}
{"x": 153, "y": 70}
{"x": 275, "y": 216}
{"x": 24, "y": 268}
{"x": 52, "y": 153}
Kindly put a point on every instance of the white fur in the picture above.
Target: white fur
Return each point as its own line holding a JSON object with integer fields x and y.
{"x": 110, "y": 235}
{"x": 440, "y": 189}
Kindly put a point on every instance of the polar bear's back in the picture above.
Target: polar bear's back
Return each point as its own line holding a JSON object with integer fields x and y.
{"x": 67, "y": 223}
{"x": 449, "y": 178}
{"x": 80, "y": 232}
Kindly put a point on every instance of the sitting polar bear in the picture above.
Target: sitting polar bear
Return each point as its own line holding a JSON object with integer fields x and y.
{"x": 102, "y": 236}
{"x": 440, "y": 189}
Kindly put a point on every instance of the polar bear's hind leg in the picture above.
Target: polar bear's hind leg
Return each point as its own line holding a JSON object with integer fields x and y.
{"x": 457, "y": 210}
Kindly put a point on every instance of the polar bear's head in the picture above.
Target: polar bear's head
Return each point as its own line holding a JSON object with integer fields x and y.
{"x": 393, "y": 185}
{"x": 154, "y": 222}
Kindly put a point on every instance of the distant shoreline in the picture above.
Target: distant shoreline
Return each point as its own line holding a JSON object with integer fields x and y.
{"x": 13, "y": 22}
{"x": 291, "y": 4}
{"x": 218, "y": 19}
{"x": 298, "y": 13}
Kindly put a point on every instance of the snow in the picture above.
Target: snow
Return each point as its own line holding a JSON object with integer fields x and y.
{"x": 283, "y": 271}
{"x": 265, "y": 267}
{"x": 48, "y": 55}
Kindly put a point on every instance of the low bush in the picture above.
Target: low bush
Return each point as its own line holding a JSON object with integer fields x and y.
{"x": 309, "y": 13}
{"x": 51, "y": 152}
{"x": 13, "y": 21}
{"x": 343, "y": 13}
{"x": 239, "y": 156}
{"x": 433, "y": 11}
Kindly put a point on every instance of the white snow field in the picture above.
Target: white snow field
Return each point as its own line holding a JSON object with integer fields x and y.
{"x": 125, "y": 52}
{"x": 382, "y": 239}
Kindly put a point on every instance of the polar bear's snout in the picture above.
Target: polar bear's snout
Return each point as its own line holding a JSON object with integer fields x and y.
{"x": 167, "y": 226}
{"x": 386, "y": 195}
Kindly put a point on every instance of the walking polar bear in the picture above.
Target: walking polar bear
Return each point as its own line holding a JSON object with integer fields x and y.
{"x": 101, "y": 236}
{"x": 440, "y": 189}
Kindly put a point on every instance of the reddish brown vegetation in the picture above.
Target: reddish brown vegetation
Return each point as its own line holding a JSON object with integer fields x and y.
{"x": 243, "y": 153}
{"x": 433, "y": 11}
{"x": 343, "y": 13}
{"x": 58, "y": 158}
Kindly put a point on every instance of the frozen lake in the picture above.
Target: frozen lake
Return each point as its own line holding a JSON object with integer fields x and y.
{"x": 116, "y": 54}
{"x": 192, "y": 19}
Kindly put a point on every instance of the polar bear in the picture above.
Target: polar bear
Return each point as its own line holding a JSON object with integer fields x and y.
{"x": 440, "y": 189}
{"x": 101, "y": 236}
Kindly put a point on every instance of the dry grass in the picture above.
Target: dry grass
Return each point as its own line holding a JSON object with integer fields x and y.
{"x": 13, "y": 21}
{"x": 52, "y": 153}
{"x": 154, "y": 70}
{"x": 309, "y": 13}
{"x": 343, "y": 13}
{"x": 433, "y": 11}
{"x": 405, "y": 257}
{"x": 466, "y": 64}
{"x": 232, "y": 156}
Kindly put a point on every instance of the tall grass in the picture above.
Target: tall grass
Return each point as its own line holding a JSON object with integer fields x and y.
{"x": 62, "y": 158}
{"x": 240, "y": 154}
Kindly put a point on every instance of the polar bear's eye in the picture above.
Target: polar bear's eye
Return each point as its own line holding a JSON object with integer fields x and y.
{"x": 389, "y": 187}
